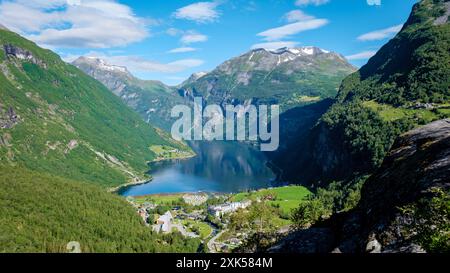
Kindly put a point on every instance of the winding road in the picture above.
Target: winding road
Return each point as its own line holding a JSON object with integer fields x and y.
{"x": 212, "y": 242}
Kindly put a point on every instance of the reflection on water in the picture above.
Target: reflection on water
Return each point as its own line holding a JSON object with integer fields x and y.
{"x": 218, "y": 167}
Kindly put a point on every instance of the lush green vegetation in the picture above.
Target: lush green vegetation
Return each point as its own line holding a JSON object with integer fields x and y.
{"x": 363, "y": 133}
{"x": 200, "y": 228}
{"x": 70, "y": 128}
{"x": 42, "y": 213}
{"x": 70, "y": 125}
{"x": 389, "y": 113}
{"x": 430, "y": 227}
{"x": 337, "y": 197}
{"x": 285, "y": 198}
{"x": 164, "y": 152}
{"x": 160, "y": 199}
{"x": 414, "y": 66}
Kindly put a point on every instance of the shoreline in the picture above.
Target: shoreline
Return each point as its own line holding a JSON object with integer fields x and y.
{"x": 129, "y": 184}
{"x": 178, "y": 194}
{"x": 175, "y": 158}
{"x": 117, "y": 189}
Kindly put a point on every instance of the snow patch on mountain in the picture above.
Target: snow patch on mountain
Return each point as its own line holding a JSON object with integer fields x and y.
{"x": 103, "y": 65}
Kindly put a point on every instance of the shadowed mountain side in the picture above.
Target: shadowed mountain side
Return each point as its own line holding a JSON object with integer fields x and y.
{"x": 404, "y": 206}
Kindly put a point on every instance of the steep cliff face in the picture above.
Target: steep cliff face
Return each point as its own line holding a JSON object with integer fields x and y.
{"x": 404, "y": 207}
{"x": 410, "y": 192}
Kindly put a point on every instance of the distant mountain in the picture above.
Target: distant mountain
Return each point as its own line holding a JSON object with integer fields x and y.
{"x": 55, "y": 119}
{"x": 151, "y": 99}
{"x": 406, "y": 84}
{"x": 287, "y": 76}
{"x": 194, "y": 77}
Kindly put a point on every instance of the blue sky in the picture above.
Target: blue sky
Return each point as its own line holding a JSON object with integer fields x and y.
{"x": 168, "y": 40}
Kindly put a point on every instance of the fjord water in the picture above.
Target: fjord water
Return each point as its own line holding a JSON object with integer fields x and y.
{"x": 219, "y": 166}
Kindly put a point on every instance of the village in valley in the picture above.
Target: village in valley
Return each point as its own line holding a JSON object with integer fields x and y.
{"x": 221, "y": 221}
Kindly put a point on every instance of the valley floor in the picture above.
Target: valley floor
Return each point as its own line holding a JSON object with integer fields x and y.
{"x": 222, "y": 221}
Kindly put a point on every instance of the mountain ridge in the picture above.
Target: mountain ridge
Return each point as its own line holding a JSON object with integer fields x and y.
{"x": 153, "y": 100}
{"x": 54, "y": 119}
{"x": 287, "y": 76}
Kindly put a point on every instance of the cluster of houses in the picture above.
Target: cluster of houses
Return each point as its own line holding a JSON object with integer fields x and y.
{"x": 223, "y": 209}
{"x": 143, "y": 209}
{"x": 195, "y": 199}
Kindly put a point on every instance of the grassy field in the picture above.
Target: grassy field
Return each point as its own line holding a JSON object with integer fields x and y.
{"x": 160, "y": 199}
{"x": 390, "y": 113}
{"x": 287, "y": 198}
{"x": 164, "y": 152}
{"x": 203, "y": 229}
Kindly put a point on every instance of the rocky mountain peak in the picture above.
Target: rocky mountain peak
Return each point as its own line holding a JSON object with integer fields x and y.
{"x": 300, "y": 51}
{"x": 262, "y": 75}
{"x": 100, "y": 64}
{"x": 194, "y": 77}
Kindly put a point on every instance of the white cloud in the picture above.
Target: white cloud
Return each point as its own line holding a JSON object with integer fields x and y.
{"x": 297, "y": 15}
{"x": 380, "y": 34}
{"x": 311, "y": 2}
{"x": 74, "y": 23}
{"x": 187, "y": 63}
{"x": 299, "y": 22}
{"x": 361, "y": 56}
{"x": 191, "y": 37}
{"x": 201, "y": 12}
{"x": 137, "y": 64}
{"x": 187, "y": 37}
{"x": 173, "y": 32}
{"x": 182, "y": 50}
{"x": 291, "y": 29}
{"x": 275, "y": 45}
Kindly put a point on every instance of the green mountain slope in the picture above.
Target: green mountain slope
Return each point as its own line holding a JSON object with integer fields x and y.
{"x": 55, "y": 119}
{"x": 43, "y": 213}
{"x": 151, "y": 99}
{"x": 287, "y": 76}
{"x": 404, "y": 85}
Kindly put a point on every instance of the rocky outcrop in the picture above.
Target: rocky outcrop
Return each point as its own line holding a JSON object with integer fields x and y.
{"x": 112, "y": 76}
{"x": 444, "y": 18}
{"x": 8, "y": 117}
{"x": 22, "y": 54}
{"x": 414, "y": 174}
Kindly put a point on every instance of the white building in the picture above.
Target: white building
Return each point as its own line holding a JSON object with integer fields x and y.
{"x": 220, "y": 210}
{"x": 164, "y": 223}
